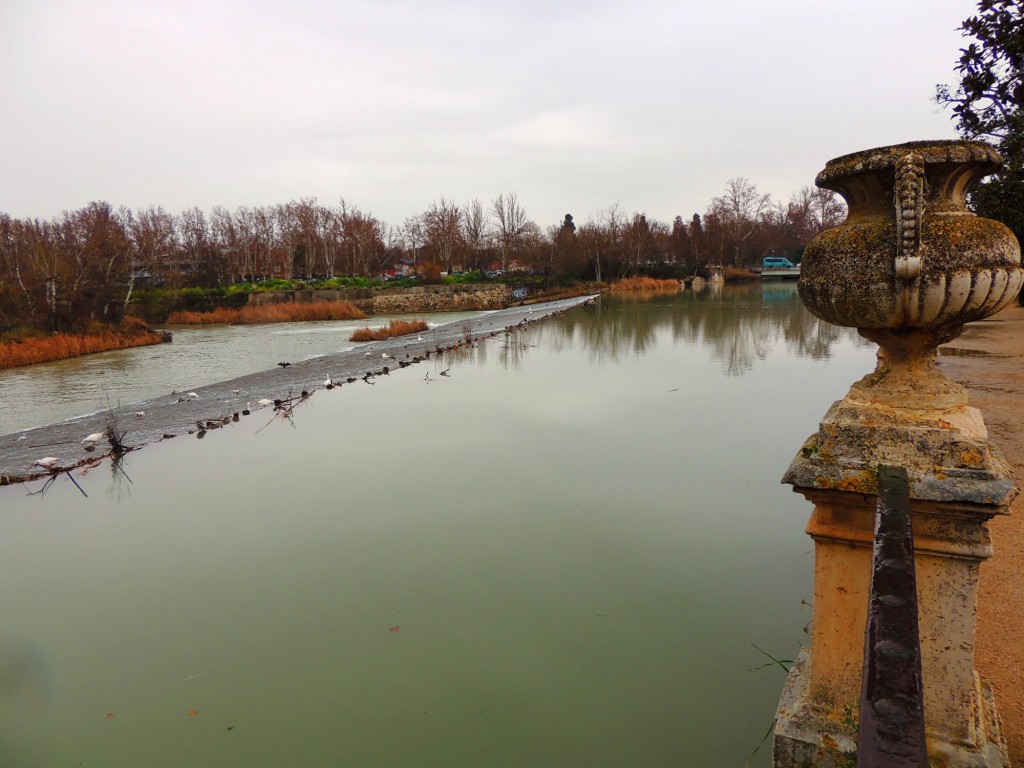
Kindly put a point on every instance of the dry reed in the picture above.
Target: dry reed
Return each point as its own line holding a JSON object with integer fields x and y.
{"x": 394, "y": 328}
{"x": 61, "y": 346}
{"x": 271, "y": 313}
{"x": 738, "y": 274}
{"x": 645, "y": 284}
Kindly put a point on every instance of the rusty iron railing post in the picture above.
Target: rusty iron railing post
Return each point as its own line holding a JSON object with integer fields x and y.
{"x": 891, "y": 731}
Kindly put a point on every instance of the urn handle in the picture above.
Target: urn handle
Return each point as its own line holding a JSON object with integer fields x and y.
{"x": 909, "y": 201}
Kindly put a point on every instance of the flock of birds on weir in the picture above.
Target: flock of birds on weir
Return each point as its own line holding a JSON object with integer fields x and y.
{"x": 53, "y": 464}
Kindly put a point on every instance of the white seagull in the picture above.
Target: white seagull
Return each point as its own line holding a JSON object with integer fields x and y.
{"x": 90, "y": 440}
{"x": 50, "y": 462}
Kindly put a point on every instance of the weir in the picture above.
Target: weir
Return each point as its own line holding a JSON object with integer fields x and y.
{"x": 176, "y": 414}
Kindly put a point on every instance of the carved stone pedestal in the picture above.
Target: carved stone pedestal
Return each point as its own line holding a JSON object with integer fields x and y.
{"x": 816, "y": 720}
{"x": 908, "y": 267}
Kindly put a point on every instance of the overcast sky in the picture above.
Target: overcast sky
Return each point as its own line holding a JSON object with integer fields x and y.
{"x": 574, "y": 106}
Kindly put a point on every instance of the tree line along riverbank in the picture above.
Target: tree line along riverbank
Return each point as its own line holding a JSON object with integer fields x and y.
{"x": 26, "y": 346}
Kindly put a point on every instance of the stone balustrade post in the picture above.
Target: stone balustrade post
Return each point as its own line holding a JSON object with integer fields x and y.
{"x": 908, "y": 268}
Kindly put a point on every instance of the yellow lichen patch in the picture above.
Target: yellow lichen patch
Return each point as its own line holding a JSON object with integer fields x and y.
{"x": 971, "y": 457}
{"x": 850, "y": 484}
{"x": 828, "y": 742}
{"x": 822, "y": 482}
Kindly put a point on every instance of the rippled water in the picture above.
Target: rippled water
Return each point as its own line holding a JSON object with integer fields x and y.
{"x": 562, "y": 553}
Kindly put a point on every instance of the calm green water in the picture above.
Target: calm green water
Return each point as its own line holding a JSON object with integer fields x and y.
{"x": 559, "y": 554}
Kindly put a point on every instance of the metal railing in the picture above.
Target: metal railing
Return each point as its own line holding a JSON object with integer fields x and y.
{"x": 891, "y": 731}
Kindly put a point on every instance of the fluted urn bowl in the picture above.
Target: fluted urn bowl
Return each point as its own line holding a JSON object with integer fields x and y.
{"x": 910, "y": 255}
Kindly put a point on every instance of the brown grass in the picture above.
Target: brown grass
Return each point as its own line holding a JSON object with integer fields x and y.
{"x": 61, "y": 346}
{"x": 645, "y": 284}
{"x": 271, "y": 313}
{"x": 738, "y": 275}
{"x": 394, "y": 328}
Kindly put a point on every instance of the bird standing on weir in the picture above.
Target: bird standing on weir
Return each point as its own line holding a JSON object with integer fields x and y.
{"x": 90, "y": 440}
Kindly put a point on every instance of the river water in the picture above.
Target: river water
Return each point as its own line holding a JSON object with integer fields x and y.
{"x": 563, "y": 552}
{"x": 43, "y": 394}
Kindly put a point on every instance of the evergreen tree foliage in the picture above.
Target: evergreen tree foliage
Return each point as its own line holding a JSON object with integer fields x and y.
{"x": 986, "y": 104}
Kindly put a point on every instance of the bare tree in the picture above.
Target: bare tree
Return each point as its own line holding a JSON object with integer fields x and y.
{"x": 154, "y": 240}
{"x": 638, "y": 243}
{"x": 829, "y": 209}
{"x": 739, "y": 211}
{"x": 595, "y": 242}
{"x": 414, "y": 233}
{"x": 475, "y": 231}
{"x": 441, "y": 221}
{"x": 362, "y": 240}
{"x": 511, "y": 224}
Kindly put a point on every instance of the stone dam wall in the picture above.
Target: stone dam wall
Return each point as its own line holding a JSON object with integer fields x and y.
{"x": 421, "y": 298}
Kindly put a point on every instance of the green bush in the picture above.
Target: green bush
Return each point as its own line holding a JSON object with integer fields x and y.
{"x": 465, "y": 277}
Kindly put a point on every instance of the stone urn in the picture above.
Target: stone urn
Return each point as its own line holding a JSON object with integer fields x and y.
{"x": 908, "y": 267}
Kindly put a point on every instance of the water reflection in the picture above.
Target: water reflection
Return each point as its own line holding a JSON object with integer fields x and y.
{"x": 578, "y": 533}
{"x": 739, "y": 324}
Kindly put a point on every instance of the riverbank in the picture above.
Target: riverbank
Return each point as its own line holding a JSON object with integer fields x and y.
{"x": 988, "y": 359}
{"x": 462, "y": 297}
{"x": 271, "y": 313}
{"x": 61, "y": 346}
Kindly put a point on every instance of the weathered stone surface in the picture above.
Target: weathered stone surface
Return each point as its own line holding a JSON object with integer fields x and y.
{"x": 811, "y": 736}
{"x": 381, "y": 301}
{"x": 908, "y": 268}
{"x": 910, "y": 254}
{"x": 944, "y": 463}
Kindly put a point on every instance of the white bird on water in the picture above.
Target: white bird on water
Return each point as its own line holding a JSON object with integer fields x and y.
{"x": 49, "y": 462}
{"x": 140, "y": 414}
{"x": 264, "y": 402}
{"x": 193, "y": 396}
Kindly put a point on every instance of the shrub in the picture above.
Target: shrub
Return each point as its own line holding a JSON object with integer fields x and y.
{"x": 271, "y": 313}
{"x": 645, "y": 284}
{"x": 394, "y": 328}
{"x": 61, "y": 346}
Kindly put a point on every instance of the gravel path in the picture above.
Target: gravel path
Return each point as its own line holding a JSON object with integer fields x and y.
{"x": 216, "y": 405}
{"x": 988, "y": 359}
